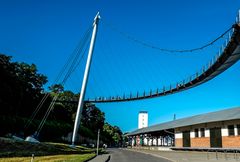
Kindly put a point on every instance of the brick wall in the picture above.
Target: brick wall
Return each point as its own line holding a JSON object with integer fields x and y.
{"x": 231, "y": 141}
{"x": 178, "y": 142}
{"x": 200, "y": 142}
{"x": 227, "y": 142}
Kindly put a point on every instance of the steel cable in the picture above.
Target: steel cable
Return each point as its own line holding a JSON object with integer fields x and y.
{"x": 144, "y": 43}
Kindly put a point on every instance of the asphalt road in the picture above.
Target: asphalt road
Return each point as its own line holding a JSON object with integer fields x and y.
{"x": 121, "y": 155}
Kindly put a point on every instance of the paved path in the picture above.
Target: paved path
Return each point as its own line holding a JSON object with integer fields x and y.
{"x": 131, "y": 155}
{"x": 123, "y": 155}
{"x": 192, "y": 156}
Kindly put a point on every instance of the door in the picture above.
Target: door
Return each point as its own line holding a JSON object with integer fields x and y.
{"x": 215, "y": 137}
{"x": 186, "y": 139}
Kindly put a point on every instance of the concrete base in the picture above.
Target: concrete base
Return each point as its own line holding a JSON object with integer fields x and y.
{"x": 31, "y": 139}
{"x": 17, "y": 138}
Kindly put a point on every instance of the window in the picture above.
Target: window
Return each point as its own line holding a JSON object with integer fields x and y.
{"x": 231, "y": 130}
{"x": 196, "y": 132}
{"x": 238, "y": 129}
{"x": 202, "y": 132}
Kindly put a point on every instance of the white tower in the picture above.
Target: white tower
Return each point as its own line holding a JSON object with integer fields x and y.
{"x": 142, "y": 119}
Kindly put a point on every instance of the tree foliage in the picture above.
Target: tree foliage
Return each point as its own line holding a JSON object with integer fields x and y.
{"x": 92, "y": 117}
{"x": 21, "y": 91}
{"x": 21, "y": 87}
{"x": 56, "y": 88}
{"x": 113, "y": 134}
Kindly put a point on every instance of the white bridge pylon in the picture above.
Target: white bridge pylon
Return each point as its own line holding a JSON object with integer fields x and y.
{"x": 85, "y": 79}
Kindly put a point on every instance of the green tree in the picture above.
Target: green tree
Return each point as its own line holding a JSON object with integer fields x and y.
{"x": 70, "y": 101}
{"x": 21, "y": 91}
{"x": 92, "y": 117}
{"x": 21, "y": 86}
{"x": 112, "y": 135}
{"x": 30, "y": 86}
{"x": 56, "y": 88}
{"x": 8, "y": 85}
{"x": 66, "y": 105}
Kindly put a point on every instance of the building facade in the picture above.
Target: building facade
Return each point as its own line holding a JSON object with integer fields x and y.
{"x": 223, "y": 134}
{"x": 220, "y": 129}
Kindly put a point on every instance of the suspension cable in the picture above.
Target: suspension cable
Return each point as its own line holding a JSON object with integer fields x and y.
{"x": 144, "y": 43}
{"x": 72, "y": 56}
{"x": 72, "y": 63}
{"x": 50, "y": 108}
{"x": 77, "y": 60}
{"x": 36, "y": 110}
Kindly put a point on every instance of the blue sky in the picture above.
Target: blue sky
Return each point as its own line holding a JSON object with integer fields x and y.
{"x": 46, "y": 32}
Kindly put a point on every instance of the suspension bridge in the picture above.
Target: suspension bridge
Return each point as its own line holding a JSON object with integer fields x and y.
{"x": 228, "y": 55}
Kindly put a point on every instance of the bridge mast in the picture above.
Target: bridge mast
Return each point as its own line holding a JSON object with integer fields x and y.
{"x": 85, "y": 79}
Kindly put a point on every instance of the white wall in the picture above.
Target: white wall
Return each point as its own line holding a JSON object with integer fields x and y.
{"x": 145, "y": 141}
{"x": 192, "y": 134}
{"x": 154, "y": 141}
{"x": 207, "y": 132}
{"x": 224, "y": 131}
{"x": 235, "y": 130}
{"x": 178, "y": 135}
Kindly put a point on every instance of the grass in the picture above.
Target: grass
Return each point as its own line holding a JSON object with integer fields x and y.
{"x": 21, "y": 151}
{"x": 12, "y": 148}
{"x": 54, "y": 158}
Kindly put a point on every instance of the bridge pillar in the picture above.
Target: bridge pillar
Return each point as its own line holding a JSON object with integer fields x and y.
{"x": 162, "y": 141}
{"x": 167, "y": 141}
{"x": 147, "y": 140}
{"x": 130, "y": 141}
{"x": 142, "y": 140}
{"x": 135, "y": 141}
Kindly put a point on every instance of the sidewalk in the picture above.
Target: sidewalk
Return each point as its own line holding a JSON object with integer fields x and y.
{"x": 101, "y": 158}
{"x": 193, "y": 156}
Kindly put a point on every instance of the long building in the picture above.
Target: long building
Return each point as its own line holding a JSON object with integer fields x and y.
{"x": 220, "y": 129}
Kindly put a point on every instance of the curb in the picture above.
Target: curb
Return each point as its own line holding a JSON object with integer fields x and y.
{"x": 109, "y": 157}
{"x": 107, "y": 160}
{"x": 90, "y": 158}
